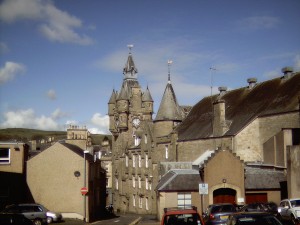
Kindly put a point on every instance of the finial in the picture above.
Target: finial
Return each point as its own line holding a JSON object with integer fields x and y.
{"x": 130, "y": 47}
{"x": 169, "y": 65}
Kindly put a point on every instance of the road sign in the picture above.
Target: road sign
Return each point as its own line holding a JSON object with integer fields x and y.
{"x": 203, "y": 189}
{"x": 84, "y": 191}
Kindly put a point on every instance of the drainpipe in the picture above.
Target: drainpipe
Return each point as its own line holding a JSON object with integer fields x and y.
{"x": 84, "y": 185}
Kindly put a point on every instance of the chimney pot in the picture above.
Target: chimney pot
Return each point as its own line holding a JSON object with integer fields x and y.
{"x": 251, "y": 81}
{"x": 222, "y": 89}
{"x": 287, "y": 70}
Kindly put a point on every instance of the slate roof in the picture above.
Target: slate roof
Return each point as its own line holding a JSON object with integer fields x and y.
{"x": 147, "y": 96}
{"x": 130, "y": 70}
{"x": 177, "y": 180}
{"x": 243, "y": 105}
{"x": 169, "y": 108}
{"x": 259, "y": 178}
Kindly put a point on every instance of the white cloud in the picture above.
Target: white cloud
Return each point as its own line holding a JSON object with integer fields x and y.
{"x": 57, "y": 114}
{"x": 10, "y": 70}
{"x": 102, "y": 123}
{"x": 28, "y": 119}
{"x": 56, "y": 25}
{"x": 51, "y": 94}
{"x": 13, "y": 10}
{"x": 258, "y": 22}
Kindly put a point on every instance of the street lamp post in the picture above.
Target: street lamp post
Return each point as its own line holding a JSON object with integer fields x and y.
{"x": 84, "y": 185}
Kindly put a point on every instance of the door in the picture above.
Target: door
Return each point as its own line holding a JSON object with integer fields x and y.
{"x": 224, "y": 195}
{"x": 256, "y": 197}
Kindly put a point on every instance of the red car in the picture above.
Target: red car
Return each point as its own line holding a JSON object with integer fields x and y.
{"x": 182, "y": 216}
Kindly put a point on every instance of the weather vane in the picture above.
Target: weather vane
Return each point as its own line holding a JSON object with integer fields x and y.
{"x": 130, "y": 47}
{"x": 169, "y": 65}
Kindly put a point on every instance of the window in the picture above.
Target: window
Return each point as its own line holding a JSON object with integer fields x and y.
{"x": 133, "y": 200}
{"x": 147, "y": 186}
{"x": 140, "y": 161}
{"x": 133, "y": 182}
{"x": 133, "y": 160}
{"x": 126, "y": 160}
{"x": 147, "y": 208}
{"x": 117, "y": 183}
{"x": 167, "y": 151}
{"x": 145, "y": 138}
{"x": 184, "y": 200}
{"x": 140, "y": 182}
{"x": 4, "y": 155}
{"x": 146, "y": 161}
{"x": 140, "y": 202}
{"x": 137, "y": 140}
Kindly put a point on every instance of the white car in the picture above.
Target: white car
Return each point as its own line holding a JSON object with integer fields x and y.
{"x": 289, "y": 209}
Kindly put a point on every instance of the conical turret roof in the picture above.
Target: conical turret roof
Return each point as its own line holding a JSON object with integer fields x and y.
{"x": 169, "y": 108}
{"x": 147, "y": 96}
{"x": 112, "y": 99}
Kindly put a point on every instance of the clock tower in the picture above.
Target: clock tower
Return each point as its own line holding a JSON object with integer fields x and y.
{"x": 130, "y": 115}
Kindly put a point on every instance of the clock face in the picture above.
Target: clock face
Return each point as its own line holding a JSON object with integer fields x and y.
{"x": 136, "y": 122}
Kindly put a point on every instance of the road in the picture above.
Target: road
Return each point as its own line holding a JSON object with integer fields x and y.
{"x": 122, "y": 219}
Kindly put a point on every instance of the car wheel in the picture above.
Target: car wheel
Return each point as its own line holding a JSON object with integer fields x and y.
{"x": 49, "y": 219}
{"x": 37, "y": 222}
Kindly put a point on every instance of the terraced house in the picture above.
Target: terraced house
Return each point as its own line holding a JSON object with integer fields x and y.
{"x": 242, "y": 143}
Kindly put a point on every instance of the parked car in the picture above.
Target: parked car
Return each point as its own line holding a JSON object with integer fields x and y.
{"x": 36, "y": 212}
{"x": 182, "y": 216}
{"x": 289, "y": 209}
{"x": 33, "y": 212}
{"x": 218, "y": 213}
{"x": 14, "y": 219}
{"x": 269, "y": 207}
{"x": 253, "y": 218}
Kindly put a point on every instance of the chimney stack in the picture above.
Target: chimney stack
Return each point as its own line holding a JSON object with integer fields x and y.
{"x": 287, "y": 71}
{"x": 251, "y": 81}
{"x": 222, "y": 90}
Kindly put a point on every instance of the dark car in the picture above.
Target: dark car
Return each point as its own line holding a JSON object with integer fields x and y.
{"x": 181, "y": 216}
{"x": 14, "y": 219}
{"x": 253, "y": 218}
{"x": 34, "y": 212}
{"x": 268, "y": 207}
{"x": 218, "y": 213}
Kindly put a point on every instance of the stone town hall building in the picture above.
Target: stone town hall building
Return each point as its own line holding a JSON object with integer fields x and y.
{"x": 243, "y": 143}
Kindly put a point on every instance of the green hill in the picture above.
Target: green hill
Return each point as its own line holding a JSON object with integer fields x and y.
{"x": 24, "y": 135}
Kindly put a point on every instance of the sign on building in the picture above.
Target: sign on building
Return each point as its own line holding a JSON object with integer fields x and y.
{"x": 203, "y": 189}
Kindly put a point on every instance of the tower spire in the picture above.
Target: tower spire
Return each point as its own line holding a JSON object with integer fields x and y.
{"x": 130, "y": 71}
{"x": 169, "y": 68}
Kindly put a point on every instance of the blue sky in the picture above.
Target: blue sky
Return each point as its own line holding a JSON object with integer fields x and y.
{"x": 61, "y": 59}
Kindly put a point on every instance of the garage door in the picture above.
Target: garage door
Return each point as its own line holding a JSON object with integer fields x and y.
{"x": 224, "y": 195}
{"x": 256, "y": 197}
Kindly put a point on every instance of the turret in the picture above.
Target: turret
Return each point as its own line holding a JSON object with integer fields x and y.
{"x": 111, "y": 112}
{"x": 169, "y": 113}
{"x": 147, "y": 104}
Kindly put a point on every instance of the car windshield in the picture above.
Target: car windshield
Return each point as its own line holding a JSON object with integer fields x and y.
{"x": 257, "y": 221}
{"x": 188, "y": 219}
{"x": 295, "y": 203}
